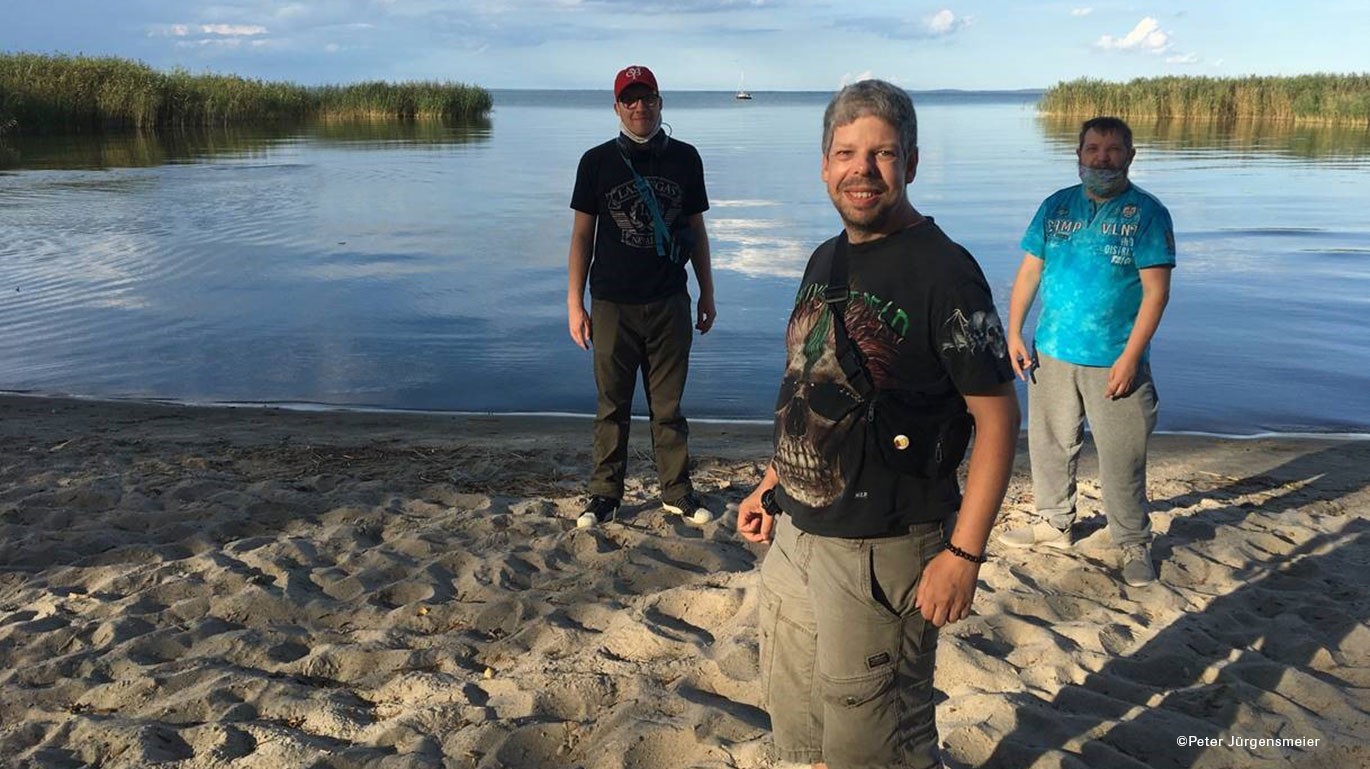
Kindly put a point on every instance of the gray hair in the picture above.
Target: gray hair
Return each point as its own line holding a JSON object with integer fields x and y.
{"x": 884, "y": 100}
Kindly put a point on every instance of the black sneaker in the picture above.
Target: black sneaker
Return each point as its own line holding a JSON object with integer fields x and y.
{"x": 690, "y": 509}
{"x": 597, "y": 511}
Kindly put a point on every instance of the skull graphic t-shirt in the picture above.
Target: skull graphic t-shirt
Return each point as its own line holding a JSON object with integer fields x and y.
{"x": 626, "y": 267}
{"x": 922, "y": 314}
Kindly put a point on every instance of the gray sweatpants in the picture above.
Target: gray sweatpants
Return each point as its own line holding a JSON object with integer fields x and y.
{"x": 1061, "y": 396}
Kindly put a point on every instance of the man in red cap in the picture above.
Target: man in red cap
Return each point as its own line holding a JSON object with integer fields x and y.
{"x": 639, "y": 202}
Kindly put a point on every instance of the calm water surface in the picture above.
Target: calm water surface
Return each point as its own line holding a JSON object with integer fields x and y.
{"x": 424, "y": 267}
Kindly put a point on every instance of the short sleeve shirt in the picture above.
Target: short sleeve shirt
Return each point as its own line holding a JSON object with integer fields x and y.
{"x": 626, "y": 267}
{"x": 1091, "y": 285}
{"x": 922, "y": 315}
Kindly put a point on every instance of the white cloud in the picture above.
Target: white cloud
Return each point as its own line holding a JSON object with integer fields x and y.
{"x": 291, "y": 11}
{"x": 211, "y": 42}
{"x": 233, "y": 30}
{"x": 169, "y": 30}
{"x": 217, "y": 30}
{"x": 332, "y": 47}
{"x": 1184, "y": 58}
{"x": 944, "y": 22}
{"x": 674, "y": 7}
{"x": 1081, "y": 11}
{"x": 848, "y": 78}
{"x": 1146, "y": 36}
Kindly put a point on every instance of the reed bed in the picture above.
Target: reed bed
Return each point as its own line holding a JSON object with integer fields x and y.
{"x": 64, "y": 94}
{"x": 413, "y": 100}
{"x": 1303, "y": 98}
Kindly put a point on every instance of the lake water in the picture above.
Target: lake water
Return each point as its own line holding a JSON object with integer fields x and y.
{"x": 423, "y": 267}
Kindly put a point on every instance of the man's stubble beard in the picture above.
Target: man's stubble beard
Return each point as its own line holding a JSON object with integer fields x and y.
{"x": 873, "y": 222}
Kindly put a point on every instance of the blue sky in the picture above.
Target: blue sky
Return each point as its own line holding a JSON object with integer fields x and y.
{"x": 705, "y": 44}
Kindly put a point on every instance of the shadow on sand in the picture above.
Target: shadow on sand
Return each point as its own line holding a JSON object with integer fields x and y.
{"x": 1286, "y": 655}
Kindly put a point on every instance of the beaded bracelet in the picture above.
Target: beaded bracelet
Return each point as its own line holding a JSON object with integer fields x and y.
{"x": 959, "y": 553}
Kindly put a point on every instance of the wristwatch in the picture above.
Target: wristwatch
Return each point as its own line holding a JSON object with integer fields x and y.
{"x": 768, "y": 502}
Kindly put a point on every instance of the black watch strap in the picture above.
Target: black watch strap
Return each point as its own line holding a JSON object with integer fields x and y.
{"x": 768, "y": 503}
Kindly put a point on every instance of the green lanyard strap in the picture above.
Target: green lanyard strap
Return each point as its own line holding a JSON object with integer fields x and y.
{"x": 662, "y": 236}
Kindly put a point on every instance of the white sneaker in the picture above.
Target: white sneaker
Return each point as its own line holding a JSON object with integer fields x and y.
{"x": 690, "y": 509}
{"x": 1040, "y": 533}
{"x": 598, "y": 510}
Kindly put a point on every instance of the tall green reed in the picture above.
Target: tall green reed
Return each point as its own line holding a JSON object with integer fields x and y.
{"x": 42, "y": 93}
{"x": 1302, "y": 98}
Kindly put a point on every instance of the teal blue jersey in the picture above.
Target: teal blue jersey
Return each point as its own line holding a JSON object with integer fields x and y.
{"x": 1091, "y": 283}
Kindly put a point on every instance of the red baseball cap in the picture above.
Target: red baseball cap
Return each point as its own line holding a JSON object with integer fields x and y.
{"x": 633, "y": 75}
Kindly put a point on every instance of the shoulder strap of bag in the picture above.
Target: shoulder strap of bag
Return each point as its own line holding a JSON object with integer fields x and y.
{"x": 837, "y": 295}
{"x": 662, "y": 235}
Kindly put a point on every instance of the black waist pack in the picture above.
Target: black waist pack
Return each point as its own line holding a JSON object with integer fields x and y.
{"x": 906, "y": 432}
{"x": 923, "y": 435}
{"x": 915, "y": 435}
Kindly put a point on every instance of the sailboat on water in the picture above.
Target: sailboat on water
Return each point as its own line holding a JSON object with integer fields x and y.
{"x": 742, "y": 92}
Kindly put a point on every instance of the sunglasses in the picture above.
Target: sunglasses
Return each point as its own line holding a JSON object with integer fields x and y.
{"x": 649, "y": 100}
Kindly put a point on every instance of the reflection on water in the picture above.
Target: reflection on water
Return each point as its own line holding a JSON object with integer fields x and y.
{"x": 132, "y": 149}
{"x": 380, "y": 134}
{"x": 1279, "y": 138}
{"x": 138, "y": 149}
{"x": 424, "y": 265}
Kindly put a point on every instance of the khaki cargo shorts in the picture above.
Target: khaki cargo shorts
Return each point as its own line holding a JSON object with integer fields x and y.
{"x": 846, "y": 659}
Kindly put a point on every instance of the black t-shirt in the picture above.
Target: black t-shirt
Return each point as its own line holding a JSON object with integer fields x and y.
{"x": 921, "y": 312}
{"x": 626, "y": 267}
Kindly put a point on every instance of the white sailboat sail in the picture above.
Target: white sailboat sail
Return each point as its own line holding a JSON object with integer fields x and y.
{"x": 742, "y": 92}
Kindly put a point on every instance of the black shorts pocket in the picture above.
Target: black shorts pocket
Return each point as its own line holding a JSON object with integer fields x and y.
{"x": 894, "y": 566}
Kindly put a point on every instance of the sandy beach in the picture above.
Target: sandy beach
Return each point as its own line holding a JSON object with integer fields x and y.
{"x": 260, "y": 588}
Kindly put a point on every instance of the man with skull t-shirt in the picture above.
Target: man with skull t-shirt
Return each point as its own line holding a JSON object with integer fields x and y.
{"x": 923, "y": 317}
{"x": 869, "y": 556}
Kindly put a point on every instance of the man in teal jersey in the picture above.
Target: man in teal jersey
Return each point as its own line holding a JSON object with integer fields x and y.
{"x": 1101, "y": 253}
